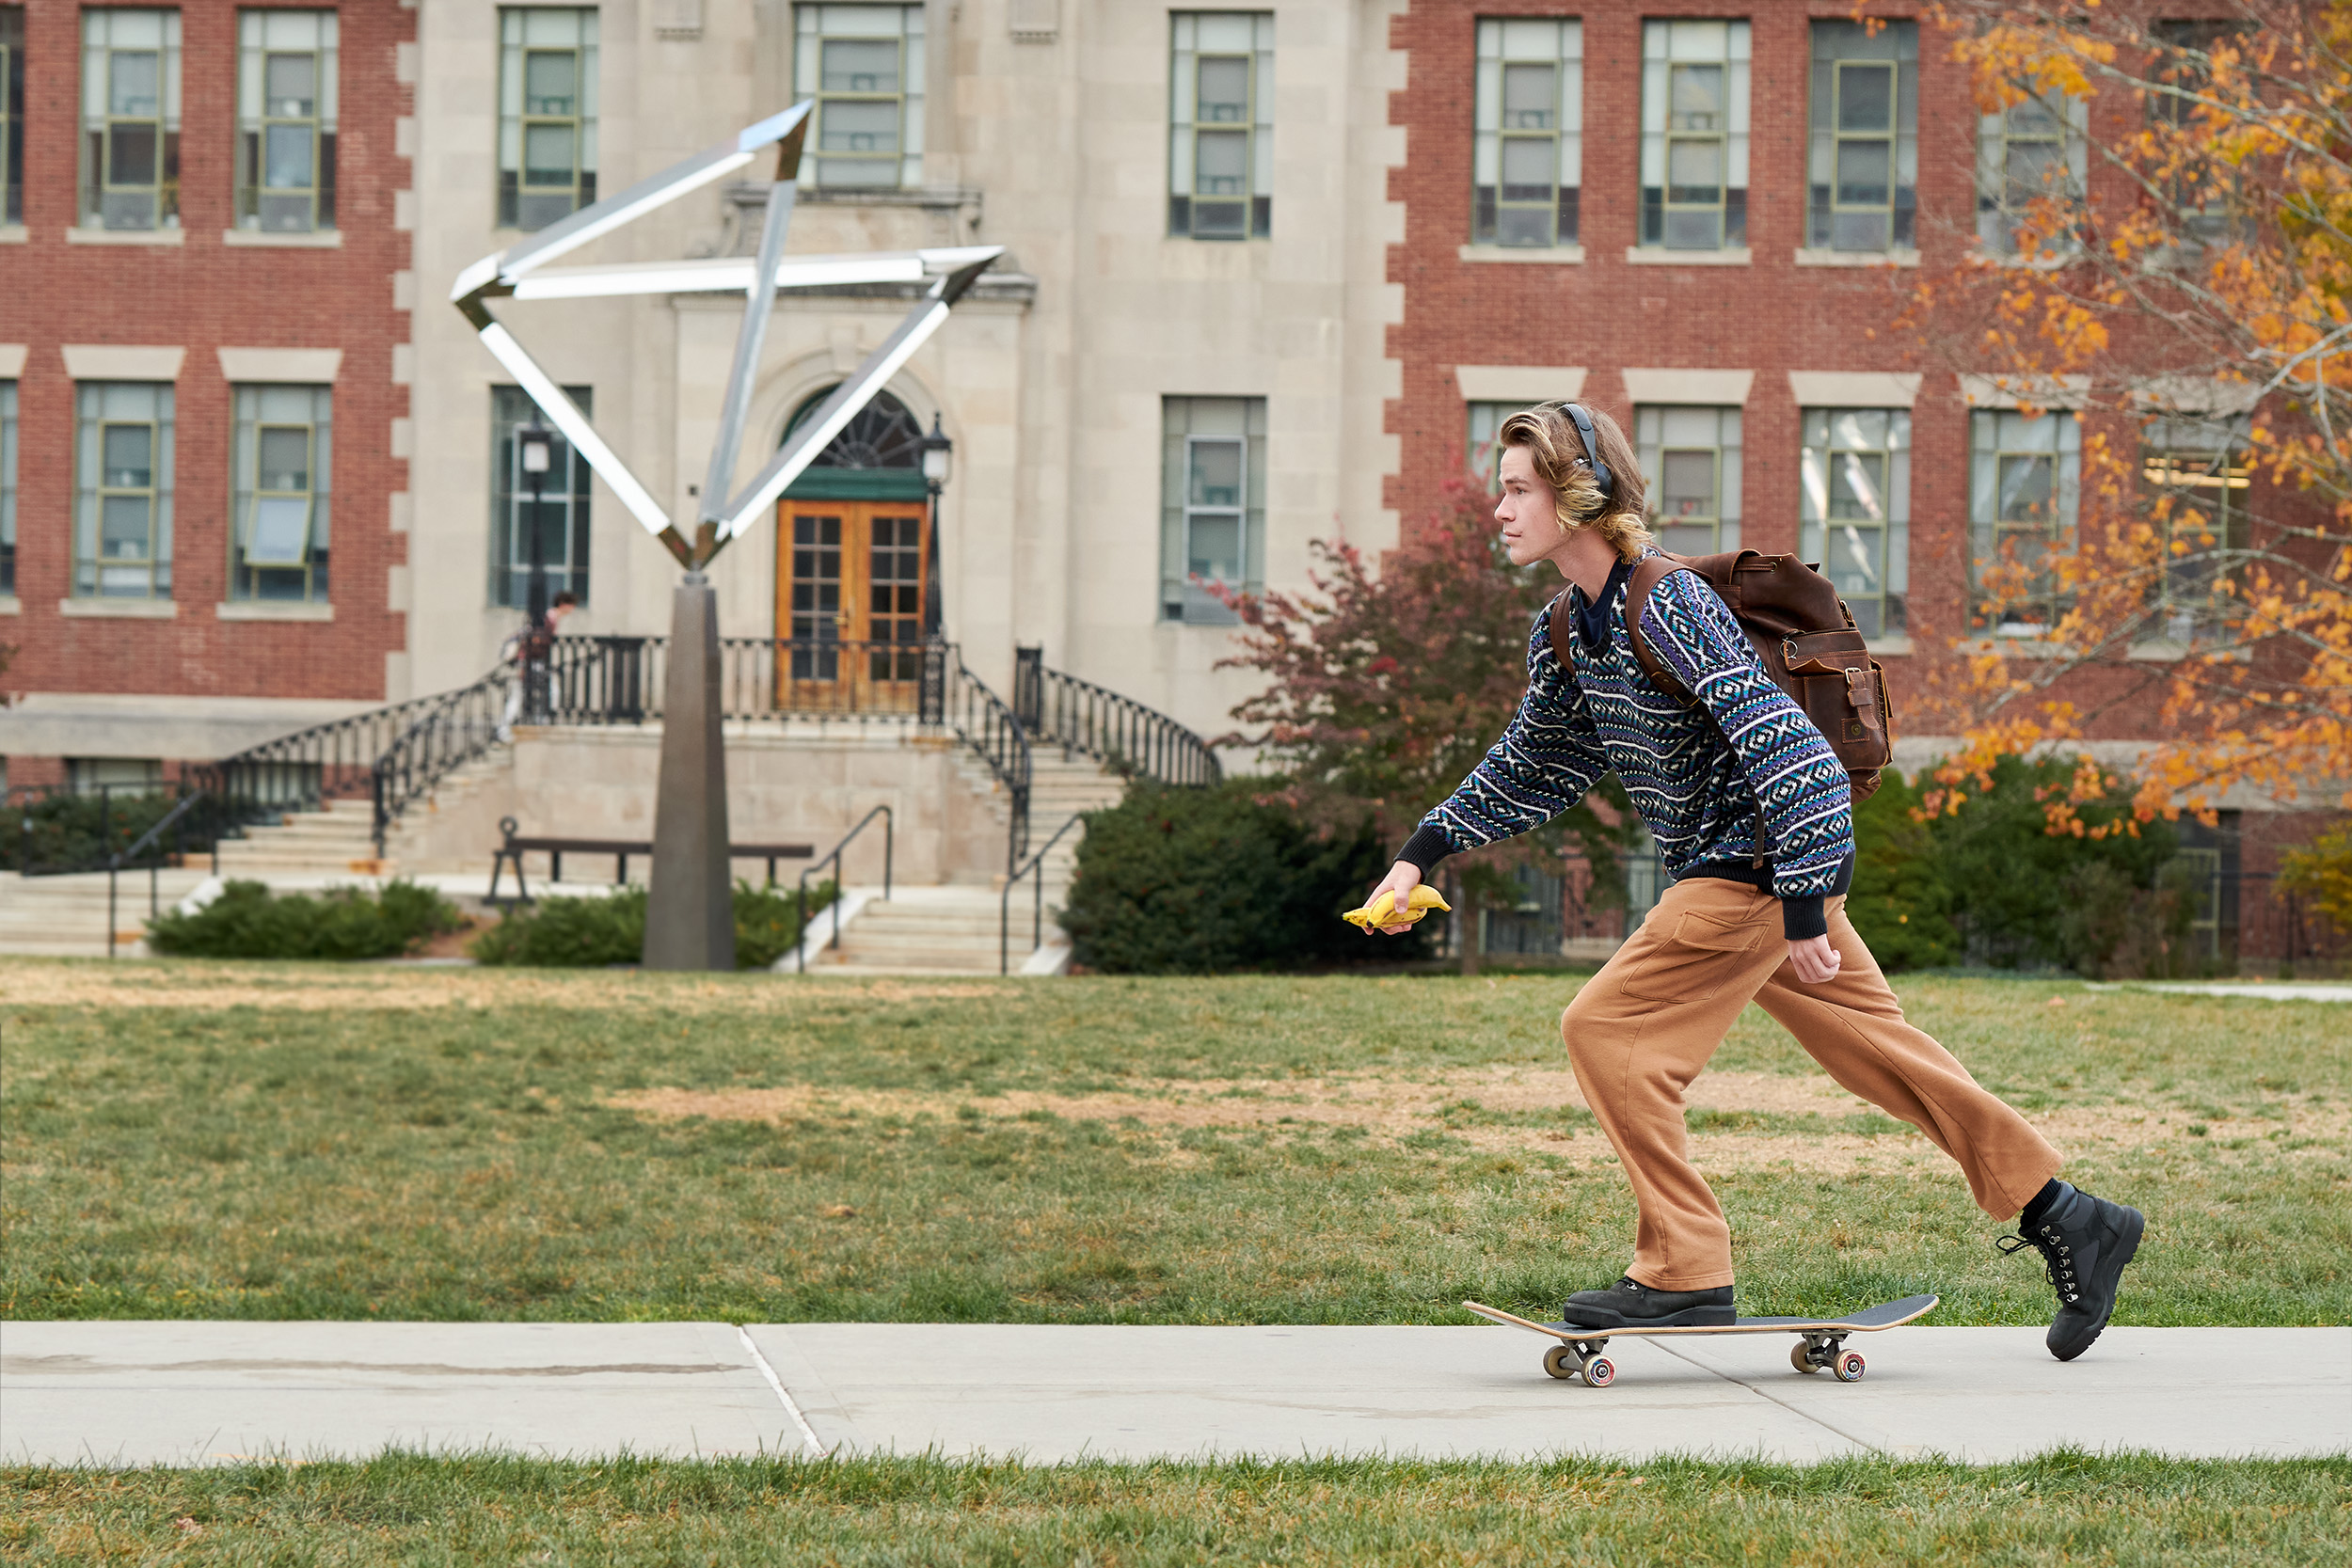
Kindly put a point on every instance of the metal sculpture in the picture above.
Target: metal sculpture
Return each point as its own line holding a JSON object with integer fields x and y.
{"x": 690, "y": 918}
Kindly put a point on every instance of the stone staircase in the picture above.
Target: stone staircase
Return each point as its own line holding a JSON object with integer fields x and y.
{"x": 66, "y": 916}
{"x": 955, "y": 929}
{"x": 339, "y": 840}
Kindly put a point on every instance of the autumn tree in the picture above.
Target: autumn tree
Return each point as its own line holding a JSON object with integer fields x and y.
{"x": 1388, "y": 681}
{"x": 2178, "y": 272}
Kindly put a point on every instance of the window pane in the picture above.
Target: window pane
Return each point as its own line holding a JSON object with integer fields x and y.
{"x": 128, "y": 462}
{"x": 1224, "y": 91}
{"x": 1214, "y": 549}
{"x": 1215, "y": 473}
{"x": 281, "y": 527}
{"x": 550, "y": 83}
{"x": 1531, "y": 97}
{"x": 290, "y": 85}
{"x": 1222, "y": 162}
{"x": 1694, "y": 172}
{"x": 123, "y": 528}
{"x": 130, "y": 156}
{"x": 861, "y": 65}
{"x": 1687, "y": 484}
{"x": 1697, "y": 98}
{"x": 1527, "y": 168}
{"x": 2025, "y": 489}
{"x": 1863, "y": 171}
{"x": 132, "y": 84}
{"x": 547, "y": 155}
{"x": 855, "y": 127}
{"x": 1866, "y": 97}
{"x": 1858, "y": 486}
{"x": 289, "y": 158}
{"x": 285, "y": 460}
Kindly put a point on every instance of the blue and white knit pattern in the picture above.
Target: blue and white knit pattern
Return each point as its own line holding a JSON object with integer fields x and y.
{"x": 1699, "y": 795}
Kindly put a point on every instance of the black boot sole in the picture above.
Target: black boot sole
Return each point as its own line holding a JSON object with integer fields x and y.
{"x": 1690, "y": 1317}
{"x": 2126, "y": 1248}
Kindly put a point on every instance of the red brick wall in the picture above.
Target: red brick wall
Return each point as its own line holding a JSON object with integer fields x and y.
{"x": 203, "y": 295}
{"x": 1770, "y": 317}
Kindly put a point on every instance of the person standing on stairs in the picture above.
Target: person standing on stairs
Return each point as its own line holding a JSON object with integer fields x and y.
{"x": 529, "y": 650}
{"x": 1754, "y": 818}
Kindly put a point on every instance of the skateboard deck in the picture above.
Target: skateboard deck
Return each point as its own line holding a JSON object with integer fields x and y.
{"x": 1821, "y": 1341}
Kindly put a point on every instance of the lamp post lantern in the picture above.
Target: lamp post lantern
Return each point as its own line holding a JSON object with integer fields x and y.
{"x": 535, "y": 444}
{"x": 939, "y": 459}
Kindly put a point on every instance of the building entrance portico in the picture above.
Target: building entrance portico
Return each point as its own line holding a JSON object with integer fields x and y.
{"x": 849, "y": 602}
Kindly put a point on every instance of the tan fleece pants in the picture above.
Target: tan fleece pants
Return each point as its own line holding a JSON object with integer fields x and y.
{"x": 1642, "y": 1029}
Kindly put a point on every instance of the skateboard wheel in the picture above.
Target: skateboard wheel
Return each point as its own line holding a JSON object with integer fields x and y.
{"x": 1798, "y": 1357}
{"x": 1559, "y": 1361}
{"x": 1849, "y": 1365}
{"x": 1600, "y": 1372}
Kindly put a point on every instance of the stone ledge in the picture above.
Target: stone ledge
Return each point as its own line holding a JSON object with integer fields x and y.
{"x": 317, "y": 239}
{"x": 126, "y": 236}
{"x": 1652, "y": 255}
{"x": 120, "y": 609}
{"x": 1558, "y": 255}
{"x": 274, "y": 610}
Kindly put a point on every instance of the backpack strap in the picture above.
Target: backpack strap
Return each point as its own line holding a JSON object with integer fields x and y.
{"x": 1647, "y": 575}
{"x": 1551, "y": 614}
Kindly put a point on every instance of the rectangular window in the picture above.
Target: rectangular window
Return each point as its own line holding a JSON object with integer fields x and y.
{"x": 11, "y": 113}
{"x": 863, "y": 65}
{"x": 130, "y": 119}
{"x": 1855, "y": 478}
{"x": 2205, "y": 191}
{"x": 2195, "y": 474}
{"x": 1528, "y": 158}
{"x": 2025, "y": 484}
{"x": 1221, "y": 160}
{"x": 122, "y": 490}
{"x": 2034, "y": 149}
{"x": 7, "y": 487}
{"x": 560, "y": 510}
{"x": 1694, "y": 135}
{"x": 546, "y": 115}
{"x": 1212, "y": 513}
{"x": 1486, "y": 458}
{"x": 1862, "y": 165}
{"x": 114, "y": 775}
{"x": 1691, "y": 456}
{"x": 286, "y": 120}
{"x": 278, "y": 470}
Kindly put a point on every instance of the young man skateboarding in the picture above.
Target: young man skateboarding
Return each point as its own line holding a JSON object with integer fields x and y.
{"x": 1744, "y": 921}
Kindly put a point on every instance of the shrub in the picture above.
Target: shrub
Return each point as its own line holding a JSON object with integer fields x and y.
{"x": 599, "y": 932}
{"x": 62, "y": 832}
{"x": 1900, "y": 901}
{"x": 2019, "y": 892}
{"x": 247, "y": 921}
{"x": 1175, "y": 880}
{"x": 2321, "y": 871}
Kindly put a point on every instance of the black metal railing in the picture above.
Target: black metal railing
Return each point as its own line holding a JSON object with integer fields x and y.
{"x": 450, "y": 731}
{"x": 54, "y": 830}
{"x": 987, "y": 724}
{"x": 1034, "y": 867}
{"x": 800, "y": 911}
{"x": 620, "y": 680}
{"x": 1080, "y": 716}
{"x": 187, "y": 813}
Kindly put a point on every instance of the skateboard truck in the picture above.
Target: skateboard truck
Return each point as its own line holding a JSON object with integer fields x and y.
{"x": 1581, "y": 1352}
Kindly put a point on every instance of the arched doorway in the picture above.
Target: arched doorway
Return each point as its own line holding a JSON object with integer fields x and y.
{"x": 849, "y": 579}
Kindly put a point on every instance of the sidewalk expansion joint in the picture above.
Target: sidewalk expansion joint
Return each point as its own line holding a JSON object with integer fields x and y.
{"x": 776, "y": 1383}
{"x": 1767, "y": 1394}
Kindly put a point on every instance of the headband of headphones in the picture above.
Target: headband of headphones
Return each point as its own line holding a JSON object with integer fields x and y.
{"x": 1601, "y": 476}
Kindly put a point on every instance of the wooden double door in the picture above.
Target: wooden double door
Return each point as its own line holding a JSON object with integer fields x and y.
{"x": 850, "y": 582}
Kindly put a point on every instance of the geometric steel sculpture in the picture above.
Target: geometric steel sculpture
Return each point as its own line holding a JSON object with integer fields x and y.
{"x": 690, "y": 923}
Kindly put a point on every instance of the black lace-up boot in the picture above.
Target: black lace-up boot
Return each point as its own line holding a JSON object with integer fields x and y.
{"x": 2084, "y": 1241}
{"x": 1630, "y": 1303}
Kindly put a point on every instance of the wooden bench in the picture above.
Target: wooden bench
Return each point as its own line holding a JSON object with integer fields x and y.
{"x": 516, "y": 846}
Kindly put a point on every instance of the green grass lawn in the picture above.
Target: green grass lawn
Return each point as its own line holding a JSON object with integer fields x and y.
{"x": 281, "y": 1141}
{"x": 2060, "y": 1509}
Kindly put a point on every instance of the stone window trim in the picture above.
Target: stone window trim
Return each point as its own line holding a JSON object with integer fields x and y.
{"x": 1522, "y": 384}
{"x": 126, "y": 236}
{"x": 1721, "y": 388}
{"x": 1556, "y": 256}
{"x": 1220, "y": 113}
{"x": 1527, "y": 138}
{"x": 121, "y": 362}
{"x": 303, "y": 366}
{"x": 256, "y": 239}
{"x": 866, "y": 65}
{"x": 1855, "y": 389}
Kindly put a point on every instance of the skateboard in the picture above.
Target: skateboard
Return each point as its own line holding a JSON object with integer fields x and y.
{"x": 1821, "y": 1341}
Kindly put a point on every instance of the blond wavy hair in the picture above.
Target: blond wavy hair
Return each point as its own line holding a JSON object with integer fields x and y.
{"x": 1557, "y": 453}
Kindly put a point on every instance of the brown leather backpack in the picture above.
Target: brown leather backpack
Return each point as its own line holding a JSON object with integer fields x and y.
{"x": 1806, "y": 638}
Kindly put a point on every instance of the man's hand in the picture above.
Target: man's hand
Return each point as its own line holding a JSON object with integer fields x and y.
{"x": 1402, "y": 879}
{"x": 1814, "y": 959}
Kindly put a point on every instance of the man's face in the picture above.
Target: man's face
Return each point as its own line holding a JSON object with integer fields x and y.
{"x": 1529, "y": 510}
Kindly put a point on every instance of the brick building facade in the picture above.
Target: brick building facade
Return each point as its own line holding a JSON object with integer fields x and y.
{"x": 236, "y": 306}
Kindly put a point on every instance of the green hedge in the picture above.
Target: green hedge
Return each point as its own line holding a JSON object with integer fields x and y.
{"x": 599, "y": 932}
{"x": 247, "y": 921}
{"x": 1205, "y": 881}
{"x": 1989, "y": 884}
{"x": 65, "y": 833}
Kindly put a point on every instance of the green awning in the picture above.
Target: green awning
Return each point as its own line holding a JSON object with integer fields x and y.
{"x": 858, "y": 484}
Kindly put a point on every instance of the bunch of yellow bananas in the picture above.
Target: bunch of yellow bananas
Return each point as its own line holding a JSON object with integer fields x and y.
{"x": 1383, "y": 911}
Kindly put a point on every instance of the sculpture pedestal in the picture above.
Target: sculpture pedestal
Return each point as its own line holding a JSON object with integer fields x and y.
{"x": 690, "y": 911}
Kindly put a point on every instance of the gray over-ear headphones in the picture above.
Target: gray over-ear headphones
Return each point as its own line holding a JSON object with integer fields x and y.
{"x": 1601, "y": 476}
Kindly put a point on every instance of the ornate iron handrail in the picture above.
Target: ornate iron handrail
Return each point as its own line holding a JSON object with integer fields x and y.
{"x": 987, "y": 724}
{"x": 1081, "y": 716}
{"x": 452, "y": 730}
{"x": 1034, "y": 866}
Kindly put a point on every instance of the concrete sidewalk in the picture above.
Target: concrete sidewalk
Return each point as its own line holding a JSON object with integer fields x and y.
{"x": 131, "y": 1393}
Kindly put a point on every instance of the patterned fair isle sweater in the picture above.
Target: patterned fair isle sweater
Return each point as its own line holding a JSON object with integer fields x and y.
{"x": 1702, "y": 777}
